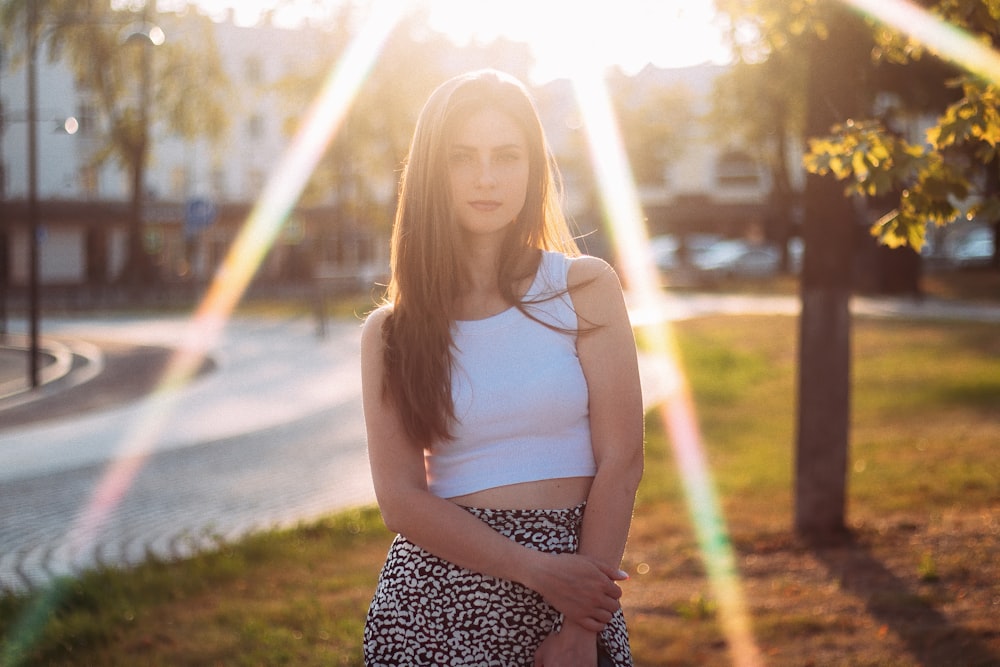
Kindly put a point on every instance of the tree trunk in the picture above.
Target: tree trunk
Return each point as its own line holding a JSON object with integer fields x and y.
{"x": 825, "y": 326}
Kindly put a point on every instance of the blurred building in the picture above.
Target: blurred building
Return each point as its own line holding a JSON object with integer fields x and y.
{"x": 709, "y": 184}
{"x": 199, "y": 193}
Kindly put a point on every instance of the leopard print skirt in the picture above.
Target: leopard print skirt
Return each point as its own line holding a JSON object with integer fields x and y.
{"x": 427, "y": 611}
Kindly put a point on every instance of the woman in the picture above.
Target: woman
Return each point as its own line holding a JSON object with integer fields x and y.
{"x": 502, "y": 404}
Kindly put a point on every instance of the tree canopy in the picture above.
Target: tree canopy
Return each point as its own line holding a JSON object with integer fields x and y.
{"x": 949, "y": 171}
{"x": 945, "y": 170}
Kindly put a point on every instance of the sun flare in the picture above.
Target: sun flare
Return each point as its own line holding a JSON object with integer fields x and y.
{"x": 562, "y": 36}
{"x": 565, "y": 37}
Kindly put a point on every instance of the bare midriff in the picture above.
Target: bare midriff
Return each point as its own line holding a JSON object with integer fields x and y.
{"x": 544, "y": 494}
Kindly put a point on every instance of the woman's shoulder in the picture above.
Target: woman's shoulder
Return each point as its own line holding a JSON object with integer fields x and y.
{"x": 371, "y": 329}
{"x": 576, "y": 268}
{"x": 378, "y": 316}
{"x": 594, "y": 288}
{"x": 586, "y": 269}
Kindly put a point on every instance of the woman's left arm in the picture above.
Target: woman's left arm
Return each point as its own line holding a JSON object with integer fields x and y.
{"x": 606, "y": 348}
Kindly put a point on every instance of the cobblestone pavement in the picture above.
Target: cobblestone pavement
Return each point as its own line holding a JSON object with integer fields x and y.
{"x": 104, "y": 467}
{"x": 113, "y": 470}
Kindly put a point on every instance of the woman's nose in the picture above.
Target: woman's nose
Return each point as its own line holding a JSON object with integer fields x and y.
{"x": 486, "y": 175}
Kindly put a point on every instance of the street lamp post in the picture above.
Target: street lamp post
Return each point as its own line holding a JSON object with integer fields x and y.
{"x": 33, "y": 206}
{"x": 33, "y": 307}
{"x": 4, "y": 224}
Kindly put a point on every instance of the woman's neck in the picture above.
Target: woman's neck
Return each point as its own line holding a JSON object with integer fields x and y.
{"x": 482, "y": 261}
{"x": 482, "y": 295}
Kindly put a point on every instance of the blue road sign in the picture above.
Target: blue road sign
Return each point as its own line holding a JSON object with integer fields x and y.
{"x": 198, "y": 214}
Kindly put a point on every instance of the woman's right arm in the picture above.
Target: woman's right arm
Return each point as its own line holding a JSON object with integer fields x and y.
{"x": 583, "y": 590}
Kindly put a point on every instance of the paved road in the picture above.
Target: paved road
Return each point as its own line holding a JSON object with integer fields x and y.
{"x": 269, "y": 433}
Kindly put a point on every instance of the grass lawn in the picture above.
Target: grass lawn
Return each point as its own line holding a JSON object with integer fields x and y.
{"x": 918, "y": 583}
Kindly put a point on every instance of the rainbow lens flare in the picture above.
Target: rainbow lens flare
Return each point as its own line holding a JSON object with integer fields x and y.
{"x": 676, "y": 409}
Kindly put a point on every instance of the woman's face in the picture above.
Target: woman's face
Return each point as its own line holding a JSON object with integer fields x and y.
{"x": 488, "y": 172}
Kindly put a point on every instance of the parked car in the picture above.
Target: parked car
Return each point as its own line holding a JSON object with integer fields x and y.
{"x": 671, "y": 253}
{"x": 664, "y": 250}
{"x": 738, "y": 259}
{"x": 796, "y": 249}
{"x": 973, "y": 249}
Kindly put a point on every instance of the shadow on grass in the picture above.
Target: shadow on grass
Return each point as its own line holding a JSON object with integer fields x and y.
{"x": 931, "y": 637}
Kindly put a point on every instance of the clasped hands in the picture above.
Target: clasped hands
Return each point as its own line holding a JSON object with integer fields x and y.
{"x": 580, "y": 587}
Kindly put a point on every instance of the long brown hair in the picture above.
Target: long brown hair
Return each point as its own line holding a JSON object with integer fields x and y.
{"x": 426, "y": 264}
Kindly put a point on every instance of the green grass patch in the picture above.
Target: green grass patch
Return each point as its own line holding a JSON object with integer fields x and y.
{"x": 286, "y": 597}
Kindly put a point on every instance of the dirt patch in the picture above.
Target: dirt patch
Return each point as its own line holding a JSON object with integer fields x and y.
{"x": 902, "y": 590}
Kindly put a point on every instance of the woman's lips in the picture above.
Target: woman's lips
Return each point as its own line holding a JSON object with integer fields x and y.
{"x": 485, "y": 205}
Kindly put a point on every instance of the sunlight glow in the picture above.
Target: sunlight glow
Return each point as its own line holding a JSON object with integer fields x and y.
{"x": 938, "y": 36}
{"x": 626, "y": 33}
{"x": 676, "y": 408}
{"x": 204, "y": 330}
{"x": 578, "y": 40}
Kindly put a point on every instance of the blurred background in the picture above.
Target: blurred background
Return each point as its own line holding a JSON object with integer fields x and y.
{"x": 158, "y": 124}
{"x": 162, "y": 160}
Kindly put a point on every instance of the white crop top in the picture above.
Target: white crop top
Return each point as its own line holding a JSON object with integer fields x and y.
{"x": 521, "y": 400}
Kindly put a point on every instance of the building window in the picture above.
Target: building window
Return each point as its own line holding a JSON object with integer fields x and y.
{"x": 255, "y": 126}
{"x": 736, "y": 169}
{"x": 89, "y": 181}
{"x": 87, "y": 118}
{"x": 254, "y": 70}
{"x": 218, "y": 178}
{"x": 178, "y": 182}
{"x": 255, "y": 183}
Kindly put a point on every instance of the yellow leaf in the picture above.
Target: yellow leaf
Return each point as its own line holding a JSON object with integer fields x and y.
{"x": 860, "y": 166}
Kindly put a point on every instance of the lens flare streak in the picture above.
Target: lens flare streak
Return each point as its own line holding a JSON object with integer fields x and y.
{"x": 940, "y": 37}
{"x": 230, "y": 282}
{"x": 626, "y": 224}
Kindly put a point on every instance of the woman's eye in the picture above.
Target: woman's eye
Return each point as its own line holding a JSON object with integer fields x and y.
{"x": 460, "y": 158}
{"x": 509, "y": 157}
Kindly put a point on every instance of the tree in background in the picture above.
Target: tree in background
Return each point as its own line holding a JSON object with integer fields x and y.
{"x": 652, "y": 120}
{"x": 761, "y": 105}
{"x": 132, "y": 90}
{"x": 845, "y": 62}
{"x": 818, "y": 53}
{"x": 954, "y": 169}
{"x": 829, "y": 221}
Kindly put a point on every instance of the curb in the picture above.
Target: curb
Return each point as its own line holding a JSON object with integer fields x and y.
{"x": 73, "y": 363}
